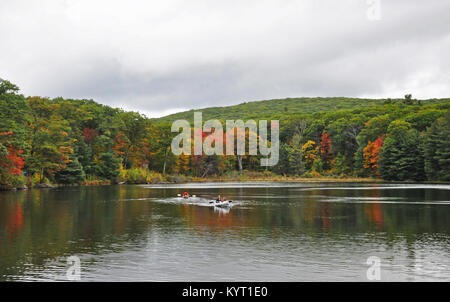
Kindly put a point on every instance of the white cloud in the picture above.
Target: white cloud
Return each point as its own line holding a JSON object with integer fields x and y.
{"x": 163, "y": 56}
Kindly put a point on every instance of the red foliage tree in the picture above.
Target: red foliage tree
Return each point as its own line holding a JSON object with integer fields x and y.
{"x": 326, "y": 148}
{"x": 89, "y": 134}
{"x": 13, "y": 160}
{"x": 16, "y": 162}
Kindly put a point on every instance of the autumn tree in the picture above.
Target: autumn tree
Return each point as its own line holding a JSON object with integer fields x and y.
{"x": 51, "y": 145}
{"x": 326, "y": 150}
{"x": 310, "y": 153}
{"x": 372, "y": 155}
{"x": 14, "y": 133}
{"x": 372, "y": 130}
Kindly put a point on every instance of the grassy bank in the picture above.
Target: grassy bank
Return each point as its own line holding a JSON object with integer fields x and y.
{"x": 285, "y": 179}
{"x": 248, "y": 176}
{"x": 142, "y": 176}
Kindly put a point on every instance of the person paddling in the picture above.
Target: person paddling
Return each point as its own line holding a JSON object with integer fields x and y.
{"x": 186, "y": 195}
{"x": 220, "y": 199}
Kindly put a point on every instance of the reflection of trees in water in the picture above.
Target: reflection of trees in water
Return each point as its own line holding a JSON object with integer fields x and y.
{"x": 46, "y": 224}
{"x": 215, "y": 219}
{"x": 374, "y": 215}
{"x": 373, "y": 210}
{"x": 14, "y": 220}
{"x": 325, "y": 215}
{"x": 38, "y": 225}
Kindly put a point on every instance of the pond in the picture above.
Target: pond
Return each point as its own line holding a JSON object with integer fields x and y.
{"x": 311, "y": 231}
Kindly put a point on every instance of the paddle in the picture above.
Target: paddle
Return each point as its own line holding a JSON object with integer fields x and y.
{"x": 212, "y": 201}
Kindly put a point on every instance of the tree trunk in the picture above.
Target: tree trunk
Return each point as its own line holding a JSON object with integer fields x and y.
{"x": 164, "y": 164}
{"x": 206, "y": 171}
{"x": 239, "y": 158}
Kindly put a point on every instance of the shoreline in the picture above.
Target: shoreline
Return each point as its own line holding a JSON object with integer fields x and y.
{"x": 191, "y": 180}
{"x": 287, "y": 179}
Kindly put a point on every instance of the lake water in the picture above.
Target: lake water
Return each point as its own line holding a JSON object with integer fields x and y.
{"x": 274, "y": 232}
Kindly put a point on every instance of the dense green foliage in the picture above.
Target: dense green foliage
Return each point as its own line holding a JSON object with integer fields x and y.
{"x": 278, "y": 108}
{"x": 79, "y": 141}
{"x": 437, "y": 149}
{"x": 401, "y": 157}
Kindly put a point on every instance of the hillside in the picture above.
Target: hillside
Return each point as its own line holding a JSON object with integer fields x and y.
{"x": 269, "y": 108}
{"x": 64, "y": 141}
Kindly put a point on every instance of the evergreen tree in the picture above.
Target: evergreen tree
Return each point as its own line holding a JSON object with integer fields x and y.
{"x": 437, "y": 150}
{"x": 401, "y": 157}
{"x": 71, "y": 174}
{"x": 283, "y": 163}
{"x": 108, "y": 166}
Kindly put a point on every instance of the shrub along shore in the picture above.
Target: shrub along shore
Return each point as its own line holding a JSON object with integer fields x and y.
{"x": 133, "y": 177}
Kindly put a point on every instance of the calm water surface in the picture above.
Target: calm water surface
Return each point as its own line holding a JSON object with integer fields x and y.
{"x": 274, "y": 232}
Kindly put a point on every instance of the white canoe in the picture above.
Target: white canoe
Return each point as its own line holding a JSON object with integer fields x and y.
{"x": 222, "y": 204}
{"x": 186, "y": 197}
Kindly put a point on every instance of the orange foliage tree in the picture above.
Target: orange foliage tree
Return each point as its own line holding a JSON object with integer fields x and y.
{"x": 371, "y": 155}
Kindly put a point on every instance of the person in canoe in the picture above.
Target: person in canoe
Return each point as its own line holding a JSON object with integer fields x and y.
{"x": 186, "y": 195}
{"x": 220, "y": 199}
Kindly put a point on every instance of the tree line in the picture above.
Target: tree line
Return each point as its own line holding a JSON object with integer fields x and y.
{"x": 68, "y": 141}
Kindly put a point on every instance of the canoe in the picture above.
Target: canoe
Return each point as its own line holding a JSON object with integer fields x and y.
{"x": 186, "y": 197}
{"x": 222, "y": 204}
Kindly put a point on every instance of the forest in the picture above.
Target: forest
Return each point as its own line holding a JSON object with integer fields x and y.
{"x": 46, "y": 142}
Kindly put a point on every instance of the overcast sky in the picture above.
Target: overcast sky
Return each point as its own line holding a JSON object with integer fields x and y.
{"x": 160, "y": 57}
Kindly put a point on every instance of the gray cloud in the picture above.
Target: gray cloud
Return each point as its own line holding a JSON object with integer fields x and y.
{"x": 163, "y": 56}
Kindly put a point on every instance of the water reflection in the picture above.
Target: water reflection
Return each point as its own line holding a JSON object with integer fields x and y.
{"x": 317, "y": 231}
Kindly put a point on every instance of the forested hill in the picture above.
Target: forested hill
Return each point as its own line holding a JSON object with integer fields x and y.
{"x": 288, "y": 106}
{"x": 65, "y": 141}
